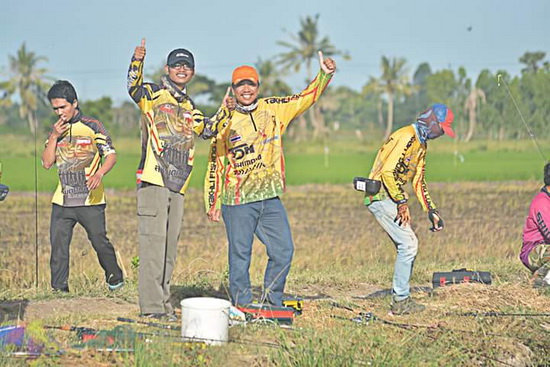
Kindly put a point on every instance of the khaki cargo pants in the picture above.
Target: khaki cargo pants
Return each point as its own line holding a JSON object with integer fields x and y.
{"x": 160, "y": 216}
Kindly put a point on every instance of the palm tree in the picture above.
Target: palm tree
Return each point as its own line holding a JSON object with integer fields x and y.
{"x": 394, "y": 81}
{"x": 374, "y": 88}
{"x": 470, "y": 106}
{"x": 303, "y": 50}
{"x": 306, "y": 43}
{"x": 28, "y": 81}
{"x": 272, "y": 84}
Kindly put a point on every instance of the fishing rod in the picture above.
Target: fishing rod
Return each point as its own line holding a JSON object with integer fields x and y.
{"x": 529, "y": 131}
{"x": 498, "y": 314}
{"x": 174, "y": 338}
{"x": 35, "y": 202}
{"x": 369, "y": 317}
{"x": 152, "y": 324}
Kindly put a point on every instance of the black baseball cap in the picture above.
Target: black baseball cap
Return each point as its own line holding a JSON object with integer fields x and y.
{"x": 180, "y": 55}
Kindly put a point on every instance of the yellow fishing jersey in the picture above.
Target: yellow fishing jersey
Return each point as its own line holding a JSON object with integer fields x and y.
{"x": 78, "y": 157}
{"x": 401, "y": 159}
{"x": 168, "y": 120}
{"x": 246, "y": 161}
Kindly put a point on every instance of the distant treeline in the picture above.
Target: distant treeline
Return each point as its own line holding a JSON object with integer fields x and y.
{"x": 482, "y": 104}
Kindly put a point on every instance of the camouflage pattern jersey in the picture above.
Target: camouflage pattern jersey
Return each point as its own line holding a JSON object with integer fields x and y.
{"x": 78, "y": 156}
{"x": 168, "y": 120}
{"x": 246, "y": 162}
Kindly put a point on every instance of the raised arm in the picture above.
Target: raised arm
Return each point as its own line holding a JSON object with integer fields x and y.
{"x": 139, "y": 92}
{"x": 292, "y": 106}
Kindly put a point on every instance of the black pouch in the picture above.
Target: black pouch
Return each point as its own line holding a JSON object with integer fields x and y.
{"x": 441, "y": 279}
{"x": 371, "y": 187}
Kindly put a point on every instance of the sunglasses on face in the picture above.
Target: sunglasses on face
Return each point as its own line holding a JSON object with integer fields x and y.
{"x": 180, "y": 65}
{"x": 245, "y": 82}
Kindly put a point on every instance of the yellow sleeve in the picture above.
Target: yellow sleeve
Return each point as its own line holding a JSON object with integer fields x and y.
{"x": 141, "y": 93}
{"x": 394, "y": 150}
{"x": 213, "y": 180}
{"x": 288, "y": 108}
{"x": 206, "y": 127}
{"x": 420, "y": 187}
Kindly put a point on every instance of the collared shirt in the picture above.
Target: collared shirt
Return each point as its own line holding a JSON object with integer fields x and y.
{"x": 246, "y": 161}
{"x": 78, "y": 157}
{"x": 536, "y": 229}
{"x": 167, "y": 126}
{"x": 402, "y": 159}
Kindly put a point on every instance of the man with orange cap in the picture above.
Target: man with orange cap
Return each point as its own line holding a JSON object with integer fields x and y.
{"x": 402, "y": 158}
{"x": 247, "y": 190}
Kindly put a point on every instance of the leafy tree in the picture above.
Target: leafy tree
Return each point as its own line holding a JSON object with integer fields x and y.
{"x": 126, "y": 117}
{"x": 28, "y": 81}
{"x": 101, "y": 109}
{"x": 531, "y": 61}
{"x": 375, "y": 89}
{"x": 441, "y": 87}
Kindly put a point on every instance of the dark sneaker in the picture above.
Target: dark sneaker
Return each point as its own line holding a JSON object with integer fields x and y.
{"x": 539, "y": 275}
{"x": 114, "y": 287}
{"x": 406, "y": 306}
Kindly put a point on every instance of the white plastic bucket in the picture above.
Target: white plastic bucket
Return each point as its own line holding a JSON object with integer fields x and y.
{"x": 205, "y": 319}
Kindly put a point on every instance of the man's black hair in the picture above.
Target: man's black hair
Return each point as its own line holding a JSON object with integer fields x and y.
{"x": 62, "y": 89}
{"x": 547, "y": 174}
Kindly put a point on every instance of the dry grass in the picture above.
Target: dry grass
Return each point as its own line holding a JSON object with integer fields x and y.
{"x": 341, "y": 255}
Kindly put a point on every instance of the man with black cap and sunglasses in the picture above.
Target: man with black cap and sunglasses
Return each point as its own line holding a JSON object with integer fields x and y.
{"x": 168, "y": 120}
{"x": 248, "y": 189}
{"x": 402, "y": 158}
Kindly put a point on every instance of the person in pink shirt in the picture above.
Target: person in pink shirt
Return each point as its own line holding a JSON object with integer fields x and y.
{"x": 535, "y": 251}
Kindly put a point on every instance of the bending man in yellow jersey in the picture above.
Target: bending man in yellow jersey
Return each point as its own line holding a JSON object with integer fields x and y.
{"x": 401, "y": 159}
{"x": 246, "y": 176}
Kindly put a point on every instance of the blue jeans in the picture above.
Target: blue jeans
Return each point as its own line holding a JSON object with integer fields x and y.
{"x": 268, "y": 220}
{"x": 405, "y": 242}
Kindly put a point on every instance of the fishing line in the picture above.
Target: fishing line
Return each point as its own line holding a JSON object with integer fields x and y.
{"x": 35, "y": 203}
{"x": 531, "y": 135}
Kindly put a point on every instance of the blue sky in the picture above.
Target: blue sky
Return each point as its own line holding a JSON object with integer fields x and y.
{"x": 91, "y": 42}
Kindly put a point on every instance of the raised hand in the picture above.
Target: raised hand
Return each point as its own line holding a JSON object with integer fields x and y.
{"x": 229, "y": 101}
{"x": 139, "y": 53}
{"x": 328, "y": 65}
{"x": 59, "y": 128}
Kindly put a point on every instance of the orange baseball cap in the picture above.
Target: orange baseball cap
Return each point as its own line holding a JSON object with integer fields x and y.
{"x": 245, "y": 72}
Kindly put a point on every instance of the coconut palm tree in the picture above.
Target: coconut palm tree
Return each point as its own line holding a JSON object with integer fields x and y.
{"x": 304, "y": 46}
{"x": 374, "y": 88}
{"x": 272, "y": 84}
{"x": 394, "y": 81}
{"x": 302, "y": 50}
{"x": 29, "y": 82}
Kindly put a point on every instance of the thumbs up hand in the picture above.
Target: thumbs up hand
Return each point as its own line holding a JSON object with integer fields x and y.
{"x": 328, "y": 65}
{"x": 139, "y": 53}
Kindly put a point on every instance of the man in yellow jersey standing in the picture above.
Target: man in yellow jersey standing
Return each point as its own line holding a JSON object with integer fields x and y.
{"x": 168, "y": 120}
{"x": 248, "y": 188}
{"x": 77, "y": 144}
{"x": 403, "y": 158}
